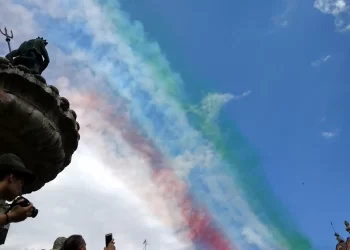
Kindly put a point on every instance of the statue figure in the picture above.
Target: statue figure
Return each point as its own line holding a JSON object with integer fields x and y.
{"x": 30, "y": 54}
{"x": 51, "y": 136}
{"x": 338, "y": 237}
{"x": 347, "y": 226}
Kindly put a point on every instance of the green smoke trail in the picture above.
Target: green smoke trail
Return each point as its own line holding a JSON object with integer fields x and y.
{"x": 233, "y": 148}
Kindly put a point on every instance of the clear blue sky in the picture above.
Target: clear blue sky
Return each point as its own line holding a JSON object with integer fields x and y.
{"x": 269, "y": 47}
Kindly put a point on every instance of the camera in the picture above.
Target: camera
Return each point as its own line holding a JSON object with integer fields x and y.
{"x": 5, "y": 208}
{"x": 23, "y": 202}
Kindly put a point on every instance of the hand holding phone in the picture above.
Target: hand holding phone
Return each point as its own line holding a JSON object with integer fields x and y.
{"x": 109, "y": 238}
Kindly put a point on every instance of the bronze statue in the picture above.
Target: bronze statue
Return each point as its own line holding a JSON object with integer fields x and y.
{"x": 338, "y": 237}
{"x": 30, "y": 54}
{"x": 347, "y": 226}
{"x": 51, "y": 135}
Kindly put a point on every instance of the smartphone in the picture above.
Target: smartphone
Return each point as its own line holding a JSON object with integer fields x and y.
{"x": 109, "y": 238}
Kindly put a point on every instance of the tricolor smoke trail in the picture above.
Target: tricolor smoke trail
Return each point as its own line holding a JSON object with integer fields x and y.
{"x": 206, "y": 182}
{"x": 197, "y": 224}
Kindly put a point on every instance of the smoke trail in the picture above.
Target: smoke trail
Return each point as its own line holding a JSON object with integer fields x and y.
{"x": 198, "y": 224}
{"x": 253, "y": 177}
{"x": 135, "y": 69}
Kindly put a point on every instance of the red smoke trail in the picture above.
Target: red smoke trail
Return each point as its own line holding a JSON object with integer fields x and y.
{"x": 198, "y": 222}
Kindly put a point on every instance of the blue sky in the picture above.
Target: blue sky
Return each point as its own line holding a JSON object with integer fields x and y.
{"x": 293, "y": 59}
{"x": 279, "y": 68}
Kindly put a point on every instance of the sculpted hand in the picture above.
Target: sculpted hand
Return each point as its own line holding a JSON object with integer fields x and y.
{"x": 18, "y": 213}
{"x": 110, "y": 246}
{"x": 10, "y": 59}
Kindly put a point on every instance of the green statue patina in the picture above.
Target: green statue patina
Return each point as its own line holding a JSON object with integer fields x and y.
{"x": 31, "y": 54}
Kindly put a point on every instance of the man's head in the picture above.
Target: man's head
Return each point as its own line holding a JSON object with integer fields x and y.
{"x": 74, "y": 242}
{"x": 13, "y": 175}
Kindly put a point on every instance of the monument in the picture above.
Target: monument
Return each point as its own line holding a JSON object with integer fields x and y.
{"x": 36, "y": 123}
{"x": 341, "y": 243}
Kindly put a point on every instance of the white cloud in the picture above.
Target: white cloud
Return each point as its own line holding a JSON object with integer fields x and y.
{"x": 333, "y": 7}
{"x": 85, "y": 200}
{"x": 325, "y": 59}
{"x": 318, "y": 62}
{"x": 339, "y": 9}
{"x": 330, "y": 134}
{"x": 281, "y": 20}
{"x": 212, "y": 103}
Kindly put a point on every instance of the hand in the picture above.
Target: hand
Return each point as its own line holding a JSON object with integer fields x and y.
{"x": 18, "y": 213}
{"x": 10, "y": 59}
{"x": 110, "y": 246}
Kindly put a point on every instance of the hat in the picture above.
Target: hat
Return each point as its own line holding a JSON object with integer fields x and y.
{"x": 58, "y": 244}
{"x": 10, "y": 163}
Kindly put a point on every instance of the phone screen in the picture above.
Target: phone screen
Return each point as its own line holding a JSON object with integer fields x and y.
{"x": 109, "y": 238}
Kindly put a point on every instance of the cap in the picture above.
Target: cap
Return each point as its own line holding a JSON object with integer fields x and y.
{"x": 58, "y": 244}
{"x": 13, "y": 164}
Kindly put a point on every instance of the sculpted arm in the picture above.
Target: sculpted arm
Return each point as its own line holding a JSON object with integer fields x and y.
{"x": 46, "y": 58}
{"x": 11, "y": 55}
